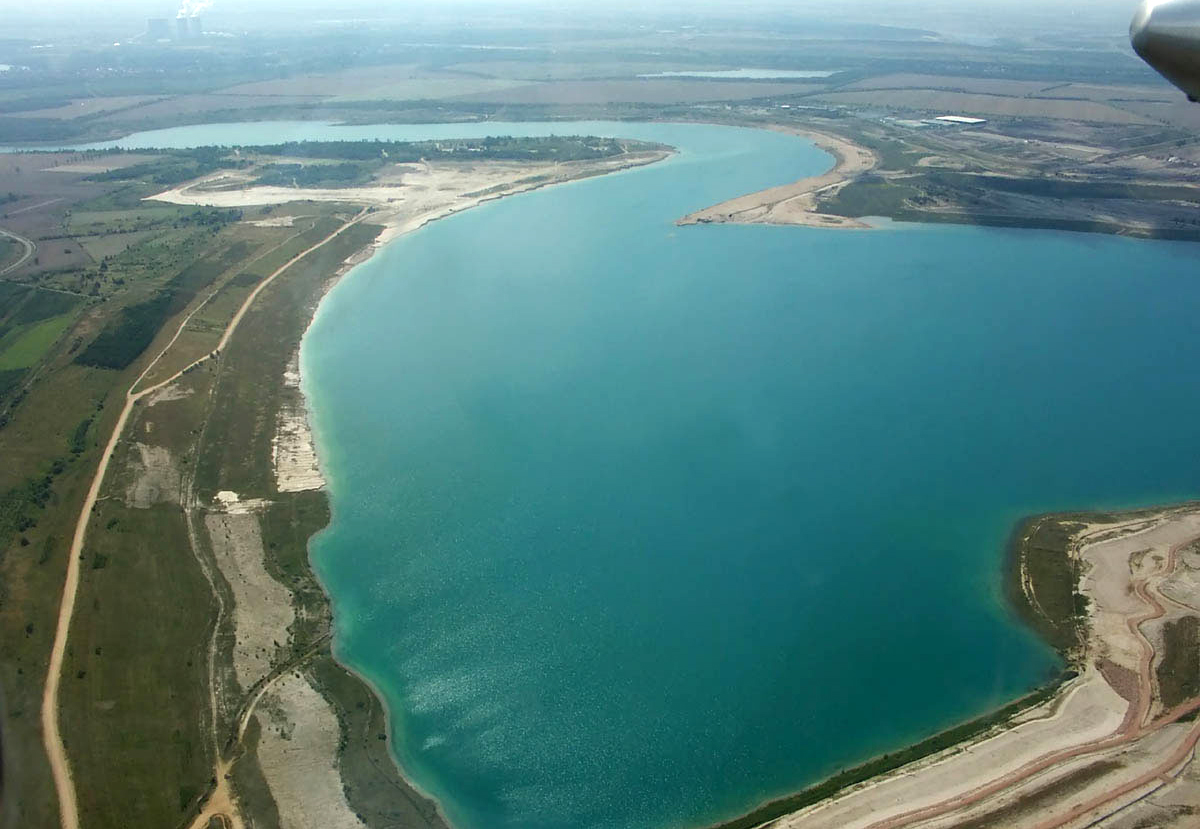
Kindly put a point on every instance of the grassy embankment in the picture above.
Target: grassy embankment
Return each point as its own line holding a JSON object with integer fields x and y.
{"x": 962, "y": 200}
{"x": 235, "y": 455}
{"x": 146, "y": 609}
{"x": 136, "y": 674}
{"x": 54, "y": 410}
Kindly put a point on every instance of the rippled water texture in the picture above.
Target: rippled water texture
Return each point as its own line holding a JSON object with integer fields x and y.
{"x": 637, "y": 525}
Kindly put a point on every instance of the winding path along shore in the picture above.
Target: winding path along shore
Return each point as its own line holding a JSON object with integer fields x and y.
{"x": 55, "y": 748}
{"x": 795, "y": 204}
{"x": 413, "y": 197}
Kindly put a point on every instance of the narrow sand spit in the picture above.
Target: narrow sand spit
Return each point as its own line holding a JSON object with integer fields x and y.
{"x": 795, "y": 204}
{"x": 1093, "y": 751}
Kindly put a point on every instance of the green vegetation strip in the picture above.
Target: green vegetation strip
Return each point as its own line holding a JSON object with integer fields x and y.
{"x": 898, "y": 759}
{"x": 26, "y": 346}
{"x": 1179, "y": 672}
{"x": 1041, "y": 545}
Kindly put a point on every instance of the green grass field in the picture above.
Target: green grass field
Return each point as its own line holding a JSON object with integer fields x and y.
{"x": 9, "y": 251}
{"x": 26, "y": 345}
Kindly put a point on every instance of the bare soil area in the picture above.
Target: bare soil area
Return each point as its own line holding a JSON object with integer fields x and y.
{"x": 262, "y": 607}
{"x": 1105, "y": 747}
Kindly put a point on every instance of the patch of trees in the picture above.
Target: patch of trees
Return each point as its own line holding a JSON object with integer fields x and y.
{"x": 314, "y": 175}
{"x": 175, "y": 167}
{"x": 1058, "y": 189}
{"x": 17, "y": 130}
{"x": 10, "y": 379}
{"x": 78, "y": 442}
{"x": 494, "y": 148}
{"x": 127, "y": 335}
{"x": 19, "y": 506}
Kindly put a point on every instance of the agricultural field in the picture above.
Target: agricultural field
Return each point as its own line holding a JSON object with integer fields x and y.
{"x": 9, "y": 251}
{"x": 961, "y": 103}
{"x": 85, "y": 107}
{"x": 638, "y": 92}
{"x": 49, "y": 438}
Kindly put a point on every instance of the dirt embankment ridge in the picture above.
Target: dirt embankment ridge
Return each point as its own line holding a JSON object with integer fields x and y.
{"x": 1113, "y": 747}
{"x": 796, "y": 203}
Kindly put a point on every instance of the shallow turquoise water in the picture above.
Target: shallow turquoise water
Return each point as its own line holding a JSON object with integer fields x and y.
{"x": 637, "y": 525}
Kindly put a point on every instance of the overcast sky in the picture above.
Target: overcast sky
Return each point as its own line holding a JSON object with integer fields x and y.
{"x": 981, "y": 17}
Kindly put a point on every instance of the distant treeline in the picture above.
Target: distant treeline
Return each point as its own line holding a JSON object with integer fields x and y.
{"x": 360, "y": 158}
{"x": 501, "y": 148}
{"x": 174, "y": 167}
{"x": 313, "y": 175}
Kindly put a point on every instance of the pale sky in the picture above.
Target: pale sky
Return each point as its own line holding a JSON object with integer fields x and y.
{"x": 984, "y": 17}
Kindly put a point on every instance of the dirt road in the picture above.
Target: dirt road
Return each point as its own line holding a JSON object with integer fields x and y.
{"x": 1135, "y": 727}
{"x": 30, "y": 249}
{"x": 55, "y": 750}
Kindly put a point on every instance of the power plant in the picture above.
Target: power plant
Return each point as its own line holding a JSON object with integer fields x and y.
{"x": 187, "y": 25}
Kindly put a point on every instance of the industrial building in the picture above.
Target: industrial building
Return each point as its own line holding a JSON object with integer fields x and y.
{"x": 188, "y": 27}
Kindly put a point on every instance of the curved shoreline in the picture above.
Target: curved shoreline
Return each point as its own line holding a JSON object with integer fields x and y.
{"x": 378, "y": 209}
{"x": 957, "y": 736}
{"x": 1093, "y": 530}
{"x": 1041, "y": 703}
{"x": 795, "y": 203}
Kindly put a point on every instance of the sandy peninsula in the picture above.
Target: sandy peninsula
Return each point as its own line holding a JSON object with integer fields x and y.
{"x": 796, "y": 203}
{"x": 1113, "y": 748}
{"x": 405, "y": 197}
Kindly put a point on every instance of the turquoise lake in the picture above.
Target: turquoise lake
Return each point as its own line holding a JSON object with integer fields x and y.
{"x": 637, "y": 525}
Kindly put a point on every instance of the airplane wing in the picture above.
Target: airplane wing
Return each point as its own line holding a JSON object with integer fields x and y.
{"x": 1166, "y": 34}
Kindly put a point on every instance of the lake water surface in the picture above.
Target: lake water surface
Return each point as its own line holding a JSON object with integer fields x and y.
{"x": 637, "y": 525}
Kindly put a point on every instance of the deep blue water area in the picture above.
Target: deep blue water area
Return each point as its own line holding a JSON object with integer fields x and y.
{"x": 638, "y": 525}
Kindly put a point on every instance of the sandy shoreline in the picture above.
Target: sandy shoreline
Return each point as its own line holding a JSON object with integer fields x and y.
{"x": 795, "y": 204}
{"x": 299, "y": 749}
{"x": 1109, "y": 725}
{"x": 1081, "y": 722}
{"x": 410, "y": 196}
